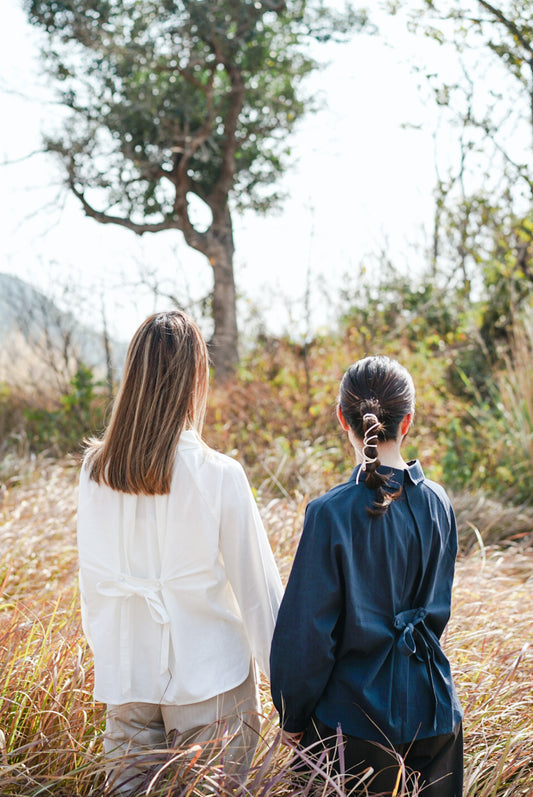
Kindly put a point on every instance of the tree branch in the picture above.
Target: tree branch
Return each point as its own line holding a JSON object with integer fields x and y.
{"x": 509, "y": 24}
{"x": 14, "y": 161}
{"x": 106, "y": 218}
{"x": 229, "y": 145}
{"x": 521, "y": 170}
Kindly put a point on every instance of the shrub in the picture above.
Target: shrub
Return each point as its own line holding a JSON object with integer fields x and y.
{"x": 78, "y": 413}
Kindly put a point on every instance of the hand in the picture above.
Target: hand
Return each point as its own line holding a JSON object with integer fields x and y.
{"x": 291, "y": 739}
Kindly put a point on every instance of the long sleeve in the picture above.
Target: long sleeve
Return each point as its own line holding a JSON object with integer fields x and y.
{"x": 305, "y": 638}
{"x": 357, "y": 637}
{"x": 180, "y": 590}
{"x": 249, "y": 563}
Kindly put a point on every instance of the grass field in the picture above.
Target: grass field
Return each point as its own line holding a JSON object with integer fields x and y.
{"x": 50, "y": 729}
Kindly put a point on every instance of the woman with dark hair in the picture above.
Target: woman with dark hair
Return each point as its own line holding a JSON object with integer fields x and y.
{"x": 178, "y": 584}
{"x": 356, "y": 654}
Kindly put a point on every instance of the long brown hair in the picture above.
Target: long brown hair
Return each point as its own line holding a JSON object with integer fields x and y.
{"x": 163, "y": 391}
{"x": 376, "y": 393}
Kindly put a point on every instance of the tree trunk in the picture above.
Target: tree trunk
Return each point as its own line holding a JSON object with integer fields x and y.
{"x": 223, "y": 346}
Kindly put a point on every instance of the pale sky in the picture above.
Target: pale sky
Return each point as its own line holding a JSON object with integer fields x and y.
{"x": 361, "y": 182}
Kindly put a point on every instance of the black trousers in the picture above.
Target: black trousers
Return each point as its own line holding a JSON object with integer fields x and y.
{"x": 436, "y": 761}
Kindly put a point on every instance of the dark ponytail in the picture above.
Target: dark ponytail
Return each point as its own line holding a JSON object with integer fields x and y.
{"x": 376, "y": 393}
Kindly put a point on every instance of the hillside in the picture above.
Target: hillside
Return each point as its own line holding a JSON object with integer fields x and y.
{"x": 37, "y": 337}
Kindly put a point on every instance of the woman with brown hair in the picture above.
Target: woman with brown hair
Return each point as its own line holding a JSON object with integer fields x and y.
{"x": 356, "y": 661}
{"x": 179, "y": 588}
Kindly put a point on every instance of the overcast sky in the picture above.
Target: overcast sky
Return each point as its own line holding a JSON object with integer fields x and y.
{"x": 362, "y": 180}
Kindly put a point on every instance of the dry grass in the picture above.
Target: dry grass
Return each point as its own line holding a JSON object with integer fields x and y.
{"x": 486, "y": 521}
{"x": 50, "y": 728}
{"x": 488, "y": 642}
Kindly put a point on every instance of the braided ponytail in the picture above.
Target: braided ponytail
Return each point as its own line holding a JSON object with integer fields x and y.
{"x": 376, "y": 393}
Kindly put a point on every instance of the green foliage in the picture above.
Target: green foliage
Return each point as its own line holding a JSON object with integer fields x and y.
{"x": 508, "y": 277}
{"x": 473, "y": 427}
{"x": 63, "y": 428}
{"x": 483, "y": 227}
{"x": 181, "y": 99}
{"x": 494, "y": 246}
{"x": 11, "y": 416}
{"x": 513, "y": 397}
{"x": 183, "y": 91}
{"x": 399, "y": 305}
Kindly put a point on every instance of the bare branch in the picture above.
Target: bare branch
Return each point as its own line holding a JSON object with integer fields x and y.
{"x": 521, "y": 170}
{"x": 509, "y": 24}
{"x": 14, "y": 161}
{"x": 106, "y": 218}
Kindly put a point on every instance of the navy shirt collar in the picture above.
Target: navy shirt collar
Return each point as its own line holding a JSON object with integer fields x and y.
{"x": 412, "y": 473}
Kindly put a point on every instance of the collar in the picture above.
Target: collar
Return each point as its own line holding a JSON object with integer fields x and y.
{"x": 412, "y": 473}
{"x": 189, "y": 439}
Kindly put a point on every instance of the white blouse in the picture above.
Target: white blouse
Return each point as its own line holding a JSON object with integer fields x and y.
{"x": 178, "y": 591}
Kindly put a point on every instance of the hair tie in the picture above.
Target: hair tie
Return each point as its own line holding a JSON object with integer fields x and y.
{"x": 369, "y": 441}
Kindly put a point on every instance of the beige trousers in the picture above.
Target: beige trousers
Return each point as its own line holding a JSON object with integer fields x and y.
{"x": 140, "y": 737}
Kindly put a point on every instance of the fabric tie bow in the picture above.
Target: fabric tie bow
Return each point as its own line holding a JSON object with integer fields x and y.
{"x": 125, "y": 586}
{"x": 415, "y": 640}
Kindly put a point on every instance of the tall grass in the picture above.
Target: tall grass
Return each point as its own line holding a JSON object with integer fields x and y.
{"x": 515, "y": 393}
{"x": 50, "y": 729}
{"x": 488, "y": 642}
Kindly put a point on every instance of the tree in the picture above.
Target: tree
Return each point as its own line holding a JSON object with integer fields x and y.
{"x": 483, "y": 239}
{"x": 500, "y": 36}
{"x": 178, "y": 114}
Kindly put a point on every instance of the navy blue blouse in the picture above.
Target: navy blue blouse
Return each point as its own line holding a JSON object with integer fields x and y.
{"x": 357, "y": 636}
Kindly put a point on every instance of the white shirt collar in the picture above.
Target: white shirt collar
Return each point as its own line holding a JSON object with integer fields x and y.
{"x": 189, "y": 439}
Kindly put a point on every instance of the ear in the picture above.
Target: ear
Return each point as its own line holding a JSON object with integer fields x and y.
{"x": 406, "y": 423}
{"x": 342, "y": 420}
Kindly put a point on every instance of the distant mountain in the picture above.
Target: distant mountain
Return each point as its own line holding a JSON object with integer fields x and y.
{"x": 31, "y": 321}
